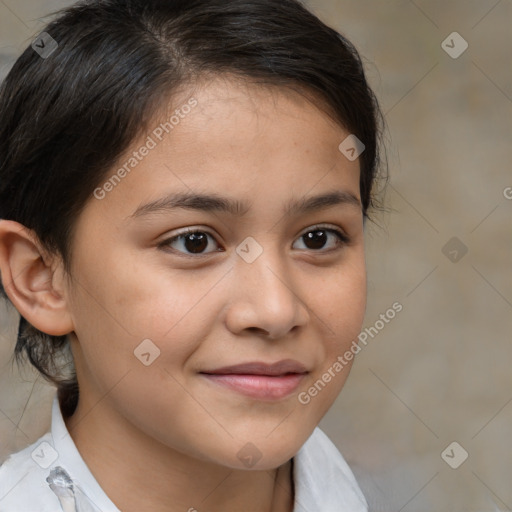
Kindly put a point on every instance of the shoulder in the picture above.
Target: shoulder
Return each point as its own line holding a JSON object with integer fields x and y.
{"x": 323, "y": 476}
{"x": 23, "y": 486}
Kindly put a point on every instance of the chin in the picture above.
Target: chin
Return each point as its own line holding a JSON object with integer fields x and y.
{"x": 263, "y": 453}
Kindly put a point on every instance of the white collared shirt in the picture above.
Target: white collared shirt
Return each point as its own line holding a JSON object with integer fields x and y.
{"x": 323, "y": 481}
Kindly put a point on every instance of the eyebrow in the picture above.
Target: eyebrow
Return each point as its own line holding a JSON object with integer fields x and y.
{"x": 216, "y": 203}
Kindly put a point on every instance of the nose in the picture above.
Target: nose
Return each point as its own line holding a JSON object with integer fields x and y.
{"x": 265, "y": 298}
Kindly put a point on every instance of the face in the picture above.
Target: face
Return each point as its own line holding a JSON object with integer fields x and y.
{"x": 167, "y": 291}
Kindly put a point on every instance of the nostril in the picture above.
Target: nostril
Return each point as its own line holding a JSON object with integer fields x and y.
{"x": 258, "y": 330}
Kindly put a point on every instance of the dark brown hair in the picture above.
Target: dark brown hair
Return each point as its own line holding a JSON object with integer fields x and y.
{"x": 65, "y": 118}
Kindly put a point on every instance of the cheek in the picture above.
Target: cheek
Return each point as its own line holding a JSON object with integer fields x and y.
{"x": 341, "y": 312}
{"x": 116, "y": 310}
{"x": 341, "y": 304}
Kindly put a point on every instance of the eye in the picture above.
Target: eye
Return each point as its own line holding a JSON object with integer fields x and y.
{"x": 191, "y": 241}
{"x": 317, "y": 237}
{"x": 196, "y": 241}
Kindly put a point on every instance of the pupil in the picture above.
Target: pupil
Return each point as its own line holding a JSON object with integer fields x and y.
{"x": 196, "y": 242}
{"x": 316, "y": 239}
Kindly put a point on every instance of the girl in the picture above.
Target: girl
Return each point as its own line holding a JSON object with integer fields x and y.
{"x": 183, "y": 190}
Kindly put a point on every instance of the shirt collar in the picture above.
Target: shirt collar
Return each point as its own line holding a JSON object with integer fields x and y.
{"x": 71, "y": 460}
{"x": 323, "y": 480}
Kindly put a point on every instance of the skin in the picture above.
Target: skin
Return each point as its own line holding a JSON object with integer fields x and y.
{"x": 164, "y": 428}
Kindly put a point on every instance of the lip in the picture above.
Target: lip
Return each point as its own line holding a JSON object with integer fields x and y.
{"x": 260, "y": 368}
{"x": 260, "y": 380}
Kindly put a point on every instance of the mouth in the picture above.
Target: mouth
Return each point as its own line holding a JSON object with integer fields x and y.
{"x": 260, "y": 380}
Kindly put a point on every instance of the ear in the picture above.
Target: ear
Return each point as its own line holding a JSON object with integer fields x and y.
{"x": 36, "y": 289}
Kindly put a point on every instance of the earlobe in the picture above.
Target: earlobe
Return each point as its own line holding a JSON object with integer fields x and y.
{"x": 35, "y": 289}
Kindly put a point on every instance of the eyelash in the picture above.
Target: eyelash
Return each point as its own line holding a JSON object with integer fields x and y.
{"x": 343, "y": 239}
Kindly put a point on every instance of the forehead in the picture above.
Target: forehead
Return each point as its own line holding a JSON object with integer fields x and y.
{"x": 255, "y": 143}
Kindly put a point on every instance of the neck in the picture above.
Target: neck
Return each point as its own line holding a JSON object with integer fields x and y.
{"x": 137, "y": 472}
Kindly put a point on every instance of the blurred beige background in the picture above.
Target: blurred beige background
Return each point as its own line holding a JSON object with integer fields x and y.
{"x": 439, "y": 372}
